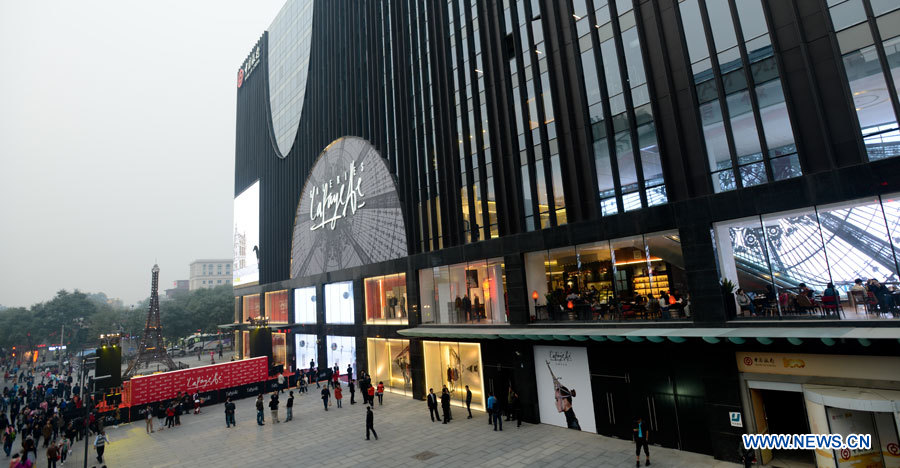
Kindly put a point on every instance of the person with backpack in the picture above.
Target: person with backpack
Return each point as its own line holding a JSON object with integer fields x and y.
{"x": 100, "y": 444}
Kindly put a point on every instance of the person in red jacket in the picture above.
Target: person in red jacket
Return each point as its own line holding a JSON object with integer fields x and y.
{"x": 380, "y": 392}
{"x": 338, "y": 395}
{"x": 371, "y": 392}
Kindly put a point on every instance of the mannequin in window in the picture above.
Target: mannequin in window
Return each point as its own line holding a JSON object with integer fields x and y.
{"x": 392, "y": 306}
{"x": 477, "y": 308}
{"x": 467, "y": 307}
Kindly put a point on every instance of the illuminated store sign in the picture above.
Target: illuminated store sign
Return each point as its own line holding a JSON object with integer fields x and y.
{"x": 349, "y": 212}
{"x": 331, "y": 199}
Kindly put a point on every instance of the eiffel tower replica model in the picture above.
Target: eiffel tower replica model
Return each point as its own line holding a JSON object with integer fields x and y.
{"x": 151, "y": 349}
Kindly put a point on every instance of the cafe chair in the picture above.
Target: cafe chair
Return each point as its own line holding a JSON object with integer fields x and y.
{"x": 831, "y": 304}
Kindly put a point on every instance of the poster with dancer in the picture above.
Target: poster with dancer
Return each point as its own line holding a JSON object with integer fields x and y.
{"x": 564, "y": 387}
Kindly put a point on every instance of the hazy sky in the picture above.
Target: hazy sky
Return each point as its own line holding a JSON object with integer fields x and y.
{"x": 117, "y": 127}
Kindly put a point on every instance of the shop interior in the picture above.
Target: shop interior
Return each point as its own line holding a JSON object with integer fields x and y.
{"x": 389, "y": 363}
{"x": 455, "y": 365}
{"x": 610, "y": 280}
{"x": 277, "y": 306}
{"x": 386, "y": 300}
{"x": 473, "y": 292}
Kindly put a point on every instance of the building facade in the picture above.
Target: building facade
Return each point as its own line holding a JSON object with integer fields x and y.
{"x": 178, "y": 287}
{"x": 613, "y": 208}
{"x": 208, "y": 273}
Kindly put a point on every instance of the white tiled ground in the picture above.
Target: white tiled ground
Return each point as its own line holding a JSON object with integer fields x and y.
{"x": 337, "y": 438}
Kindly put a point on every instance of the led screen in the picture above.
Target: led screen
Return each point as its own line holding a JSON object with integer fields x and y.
{"x": 246, "y": 236}
{"x": 339, "y": 302}
{"x": 305, "y": 305}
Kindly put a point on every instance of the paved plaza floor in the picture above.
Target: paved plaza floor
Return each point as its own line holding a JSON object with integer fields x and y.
{"x": 407, "y": 438}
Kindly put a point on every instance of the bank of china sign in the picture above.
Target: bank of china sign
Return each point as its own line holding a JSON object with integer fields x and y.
{"x": 249, "y": 65}
{"x": 349, "y": 213}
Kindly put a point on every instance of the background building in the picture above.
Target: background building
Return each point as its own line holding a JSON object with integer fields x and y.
{"x": 178, "y": 287}
{"x": 447, "y": 192}
{"x": 207, "y": 273}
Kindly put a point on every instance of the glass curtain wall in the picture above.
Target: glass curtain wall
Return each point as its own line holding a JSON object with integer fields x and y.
{"x": 747, "y": 128}
{"x": 279, "y": 350}
{"x": 455, "y": 365}
{"x": 534, "y": 115}
{"x": 386, "y": 299}
{"x": 624, "y": 143}
{"x": 475, "y": 164}
{"x": 473, "y": 293}
{"x": 389, "y": 363}
{"x": 868, "y": 34}
{"x": 277, "y": 306}
{"x": 775, "y": 257}
{"x": 621, "y": 279}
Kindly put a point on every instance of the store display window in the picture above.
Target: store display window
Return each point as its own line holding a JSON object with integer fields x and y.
{"x": 386, "y": 299}
{"x": 279, "y": 349}
{"x": 472, "y": 293}
{"x": 245, "y": 342}
{"x": 341, "y": 352}
{"x": 455, "y": 365}
{"x": 339, "y": 302}
{"x": 306, "y": 350}
{"x": 277, "y": 306}
{"x": 305, "y": 305}
{"x": 251, "y": 307}
{"x": 389, "y": 363}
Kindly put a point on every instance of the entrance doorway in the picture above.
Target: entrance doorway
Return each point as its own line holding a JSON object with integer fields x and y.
{"x": 781, "y": 412}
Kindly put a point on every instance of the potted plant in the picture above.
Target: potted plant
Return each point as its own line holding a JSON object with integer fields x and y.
{"x": 728, "y": 296}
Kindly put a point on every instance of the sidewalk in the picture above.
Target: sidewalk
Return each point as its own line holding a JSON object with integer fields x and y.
{"x": 407, "y": 438}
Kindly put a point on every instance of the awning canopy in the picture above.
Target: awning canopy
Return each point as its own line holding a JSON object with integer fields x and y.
{"x": 764, "y": 335}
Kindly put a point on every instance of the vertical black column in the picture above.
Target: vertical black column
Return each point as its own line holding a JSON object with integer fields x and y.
{"x": 706, "y": 301}
{"x": 516, "y": 294}
{"x": 322, "y": 353}
{"x": 417, "y": 366}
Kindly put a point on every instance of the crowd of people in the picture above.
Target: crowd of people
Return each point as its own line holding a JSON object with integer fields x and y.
{"x": 43, "y": 409}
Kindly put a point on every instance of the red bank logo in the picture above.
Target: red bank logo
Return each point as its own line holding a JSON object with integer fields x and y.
{"x": 747, "y": 360}
{"x": 240, "y": 77}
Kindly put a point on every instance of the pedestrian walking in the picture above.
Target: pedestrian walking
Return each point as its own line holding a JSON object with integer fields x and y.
{"x": 641, "y": 436}
{"x": 100, "y": 443}
{"x": 170, "y": 416}
{"x": 338, "y": 395}
{"x": 371, "y": 393}
{"x": 469, "y": 401}
{"x": 380, "y": 392}
{"x": 433, "y": 405}
{"x": 63, "y": 450}
{"x": 325, "y": 397}
{"x": 260, "y": 417}
{"x": 445, "y": 404}
{"x": 517, "y": 409}
{"x": 494, "y": 414}
{"x": 229, "y": 413}
{"x": 349, "y": 373}
{"x": 370, "y": 419}
{"x": 52, "y": 455}
{"x": 290, "y": 407}
{"x": 352, "y": 392}
{"x": 281, "y": 384}
{"x": 273, "y": 406}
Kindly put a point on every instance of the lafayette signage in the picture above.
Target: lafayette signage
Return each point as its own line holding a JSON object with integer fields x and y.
{"x": 349, "y": 213}
{"x": 331, "y": 199}
{"x": 249, "y": 64}
{"x": 166, "y": 385}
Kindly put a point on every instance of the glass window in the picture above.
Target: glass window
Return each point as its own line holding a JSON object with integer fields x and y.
{"x": 277, "y": 306}
{"x": 693, "y": 32}
{"x": 341, "y": 352}
{"x": 389, "y": 364}
{"x": 873, "y": 106}
{"x": 279, "y": 349}
{"x": 454, "y": 366}
{"x": 305, "y": 305}
{"x": 752, "y": 19}
{"x": 386, "y": 299}
{"x": 743, "y": 128}
{"x": 625, "y": 159}
{"x": 721, "y": 23}
{"x": 251, "y": 307}
{"x": 633, "y": 57}
{"x": 591, "y": 83}
{"x": 305, "y": 349}
{"x": 472, "y": 292}
{"x": 715, "y": 138}
{"x": 339, "y": 302}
